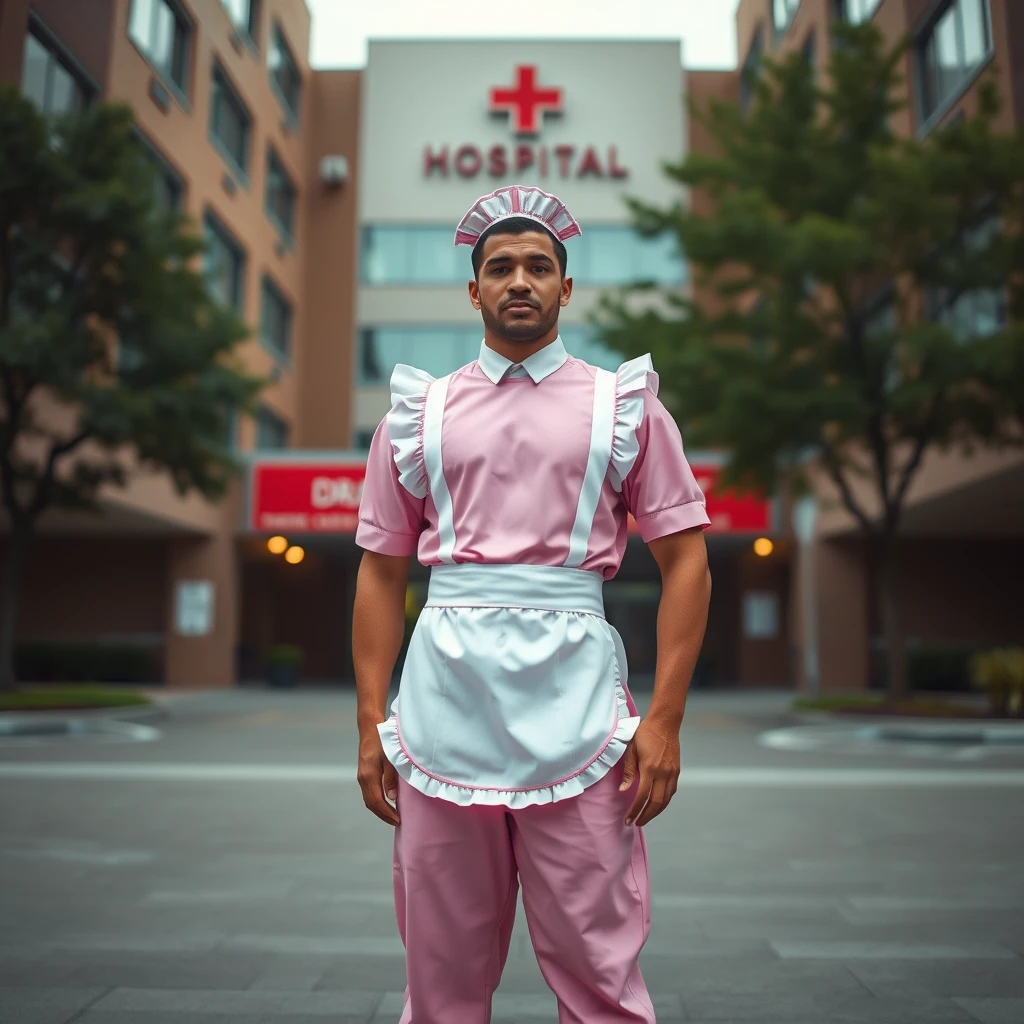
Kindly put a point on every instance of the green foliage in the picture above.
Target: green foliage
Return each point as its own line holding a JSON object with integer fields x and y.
{"x": 829, "y": 230}
{"x": 68, "y": 662}
{"x": 1000, "y": 672}
{"x": 285, "y": 654}
{"x": 103, "y": 307}
{"x": 69, "y": 698}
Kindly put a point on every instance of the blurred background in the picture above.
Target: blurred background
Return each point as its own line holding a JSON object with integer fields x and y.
{"x": 222, "y": 225}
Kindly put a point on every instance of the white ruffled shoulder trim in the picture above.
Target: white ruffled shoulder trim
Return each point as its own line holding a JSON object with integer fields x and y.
{"x": 631, "y": 381}
{"x": 405, "y": 426}
{"x": 429, "y": 785}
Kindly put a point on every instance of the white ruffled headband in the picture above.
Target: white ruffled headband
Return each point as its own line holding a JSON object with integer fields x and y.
{"x": 516, "y": 201}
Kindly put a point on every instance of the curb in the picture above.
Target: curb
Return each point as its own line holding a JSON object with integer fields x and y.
{"x": 61, "y": 723}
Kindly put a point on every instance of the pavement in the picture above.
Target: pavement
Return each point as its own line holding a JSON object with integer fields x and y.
{"x": 217, "y": 866}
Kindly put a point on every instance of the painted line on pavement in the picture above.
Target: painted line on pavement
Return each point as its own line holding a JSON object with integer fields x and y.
{"x": 813, "y": 778}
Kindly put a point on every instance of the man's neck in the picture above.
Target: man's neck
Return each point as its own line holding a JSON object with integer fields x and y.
{"x": 518, "y": 351}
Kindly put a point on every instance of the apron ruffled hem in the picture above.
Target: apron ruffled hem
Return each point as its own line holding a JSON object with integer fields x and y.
{"x": 515, "y": 799}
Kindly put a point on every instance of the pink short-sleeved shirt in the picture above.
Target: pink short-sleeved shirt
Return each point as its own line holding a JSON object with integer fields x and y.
{"x": 514, "y": 450}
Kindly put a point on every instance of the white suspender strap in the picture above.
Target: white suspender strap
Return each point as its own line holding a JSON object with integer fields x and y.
{"x": 601, "y": 427}
{"x": 433, "y": 414}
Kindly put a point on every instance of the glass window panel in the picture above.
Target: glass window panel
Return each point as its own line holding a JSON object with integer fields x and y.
{"x": 162, "y": 44}
{"x": 230, "y": 121}
{"x": 271, "y": 431}
{"x": 433, "y": 258}
{"x": 34, "y": 73}
{"x": 975, "y": 28}
{"x": 611, "y": 256}
{"x": 285, "y": 73}
{"x": 239, "y": 11}
{"x": 385, "y": 255}
{"x": 275, "y": 318}
{"x": 947, "y": 55}
{"x": 223, "y": 267}
{"x": 64, "y": 91}
{"x": 658, "y": 260}
{"x": 140, "y": 21}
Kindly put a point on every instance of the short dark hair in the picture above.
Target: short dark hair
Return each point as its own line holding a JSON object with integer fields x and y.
{"x": 517, "y": 226}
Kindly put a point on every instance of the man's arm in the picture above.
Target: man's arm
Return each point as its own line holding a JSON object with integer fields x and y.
{"x": 378, "y": 626}
{"x": 653, "y": 754}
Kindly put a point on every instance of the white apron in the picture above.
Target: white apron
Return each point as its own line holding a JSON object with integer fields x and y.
{"x": 514, "y": 686}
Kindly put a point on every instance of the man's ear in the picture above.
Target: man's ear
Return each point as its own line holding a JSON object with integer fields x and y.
{"x": 563, "y": 299}
{"x": 474, "y": 294}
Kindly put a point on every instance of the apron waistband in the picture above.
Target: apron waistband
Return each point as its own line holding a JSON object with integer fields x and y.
{"x": 547, "y": 587}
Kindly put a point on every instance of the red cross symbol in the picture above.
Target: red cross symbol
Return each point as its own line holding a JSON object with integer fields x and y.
{"x": 525, "y": 101}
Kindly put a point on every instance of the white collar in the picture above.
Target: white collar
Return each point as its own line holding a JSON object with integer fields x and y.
{"x": 541, "y": 364}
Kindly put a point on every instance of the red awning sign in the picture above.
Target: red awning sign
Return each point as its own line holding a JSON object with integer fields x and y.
{"x": 324, "y": 498}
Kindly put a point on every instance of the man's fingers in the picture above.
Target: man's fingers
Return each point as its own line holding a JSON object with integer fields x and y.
{"x": 629, "y": 771}
{"x": 371, "y": 783}
{"x": 390, "y": 782}
{"x": 642, "y": 793}
{"x": 656, "y": 804}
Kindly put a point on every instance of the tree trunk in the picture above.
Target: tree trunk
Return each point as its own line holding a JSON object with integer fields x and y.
{"x": 17, "y": 555}
{"x": 897, "y": 680}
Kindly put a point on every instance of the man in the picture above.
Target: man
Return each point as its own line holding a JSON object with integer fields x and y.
{"x": 514, "y": 754}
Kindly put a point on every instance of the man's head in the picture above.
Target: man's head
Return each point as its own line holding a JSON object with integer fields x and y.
{"x": 520, "y": 279}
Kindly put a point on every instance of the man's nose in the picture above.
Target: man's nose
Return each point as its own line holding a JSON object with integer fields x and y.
{"x": 518, "y": 281}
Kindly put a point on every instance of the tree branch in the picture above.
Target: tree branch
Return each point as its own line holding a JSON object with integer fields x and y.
{"x": 45, "y": 485}
{"x": 835, "y": 473}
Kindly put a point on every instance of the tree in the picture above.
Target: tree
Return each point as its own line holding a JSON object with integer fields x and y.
{"x": 112, "y": 351}
{"x": 859, "y": 293}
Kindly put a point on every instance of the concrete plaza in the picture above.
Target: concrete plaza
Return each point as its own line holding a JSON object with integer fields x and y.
{"x": 215, "y": 865}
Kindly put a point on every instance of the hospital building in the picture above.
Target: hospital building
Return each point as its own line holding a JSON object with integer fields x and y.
{"x": 329, "y": 199}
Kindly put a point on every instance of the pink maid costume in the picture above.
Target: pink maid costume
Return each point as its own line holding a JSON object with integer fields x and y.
{"x": 513, "y": 482}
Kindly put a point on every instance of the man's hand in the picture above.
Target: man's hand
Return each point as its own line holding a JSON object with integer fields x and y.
{"x": 377, "y": 779}
{"x": 653, "y": 756}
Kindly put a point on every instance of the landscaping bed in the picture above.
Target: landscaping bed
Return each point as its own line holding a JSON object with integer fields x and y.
{"x": 69, "y": 698}
{"x": 913, "y": 708}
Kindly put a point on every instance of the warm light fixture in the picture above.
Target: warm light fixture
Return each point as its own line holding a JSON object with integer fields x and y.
{"x": 763, "y": 547}
{"x": 276, "y": 545}
{"x": 294, "y": 554}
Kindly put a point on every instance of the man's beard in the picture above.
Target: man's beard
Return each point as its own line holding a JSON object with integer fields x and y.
{"x": 516, "y": 330}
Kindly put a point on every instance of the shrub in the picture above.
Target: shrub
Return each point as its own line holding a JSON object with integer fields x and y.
{"x": 71, "y": 662}
{"x": 1001, "y": 673}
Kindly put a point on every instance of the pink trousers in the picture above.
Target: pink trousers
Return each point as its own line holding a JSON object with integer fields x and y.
{"x": 585, "y": 892}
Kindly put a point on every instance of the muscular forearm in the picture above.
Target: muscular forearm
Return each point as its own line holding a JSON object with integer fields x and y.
{"x": 682, "y": 618}
{"x": 378, "y": 626}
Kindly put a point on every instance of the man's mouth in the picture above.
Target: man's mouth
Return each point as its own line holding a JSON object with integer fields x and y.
{"x": 520, "y": 307}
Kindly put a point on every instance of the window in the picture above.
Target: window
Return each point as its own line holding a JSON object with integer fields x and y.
{"x": 224, "y": 264}
{"x": 783, "y": 12}
{"x": 245, "y": 15}
{"x": 169, "y": 187}
{"x": 280, "y": 194}
{"x": 440, "y": 350}
{"x": 362, "y": 438}
{"x": 951, "y": 49}
{"x": 230, "y": 123}
{"x": 161, "y": 31}
{"x": 284, "y": 74}
{"x": 857, "y": 11}
{"x": 275, "y": 318}
{"x": 979, "y": 312}
{"x": 760, "y": 615}
{"x": 605, "y": 255}
{"x": 271, "y": 430}
{"x": 809, "y": 50}
{"x": 48, "y": 80}
{"x": 751, "y": 71}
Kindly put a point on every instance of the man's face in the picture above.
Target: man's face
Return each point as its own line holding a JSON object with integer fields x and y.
{"x": 520, "y": 290}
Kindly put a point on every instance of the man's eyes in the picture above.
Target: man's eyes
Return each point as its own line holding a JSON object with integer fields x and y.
{"x": 538, "y": 268}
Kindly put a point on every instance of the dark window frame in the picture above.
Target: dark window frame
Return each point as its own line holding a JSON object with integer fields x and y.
{"x": 223, "y": 87}
{"x": 751, "y": 68}
{"x": 250, "y": 30}
{"x": 270, "y": 290}
{"x": 924, "y": 37}
{"x": 279, "y": 41}
{"x": 213, "y": 223}
{"x": 781, "y": 28}
{"x": 842, "y": 11}
{"x": 186, "y": 27}
{"x": 88, "y": 87}
{"x": 265, "y": 415}
{"x": 167, "y": 171}
{"x": 276, "y": 166}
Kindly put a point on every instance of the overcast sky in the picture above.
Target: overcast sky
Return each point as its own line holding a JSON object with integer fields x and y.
{"x": 342, "y": 27}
